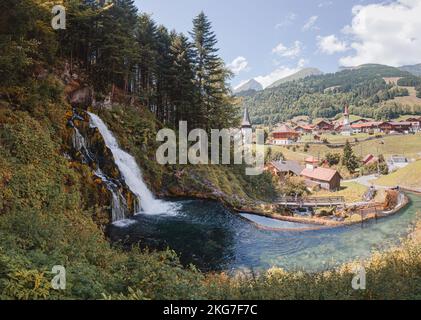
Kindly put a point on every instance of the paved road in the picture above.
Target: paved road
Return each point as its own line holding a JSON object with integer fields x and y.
{"x": 367, "y": 181}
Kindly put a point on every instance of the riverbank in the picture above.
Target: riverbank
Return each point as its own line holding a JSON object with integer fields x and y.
{"x": 323, "y": 223}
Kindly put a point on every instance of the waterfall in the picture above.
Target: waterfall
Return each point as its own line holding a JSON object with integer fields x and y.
{"x": 79, "y": 144}
{"x": 131, "y": 172}
{"x": 78, "y": 140}
{"x": 119, "y": 204}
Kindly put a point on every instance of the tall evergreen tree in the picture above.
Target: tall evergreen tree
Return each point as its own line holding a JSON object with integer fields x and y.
{"x": 163, "y": 77}
{"x": 115, "y": 44}
{"x": 349, "y": 159}
{"x": 146, "y": 35}
{"x": 214, "y": 107}
{"x": 183, "y": 89}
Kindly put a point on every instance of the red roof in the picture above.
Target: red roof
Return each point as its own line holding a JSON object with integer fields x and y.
{"x": 368, "y": 158}
{"x": 312, "y": 160}
{"x": 285, "y": 129}
{"x": 403, "y": 123}
{"x": 371, "y": 124}
{"x": 374, "y": 160}
{"x": 321, "y": 174}
{"x": 324, "y": 122}
{"x": 412, "y": 120}
{"x": 305, "y": 127}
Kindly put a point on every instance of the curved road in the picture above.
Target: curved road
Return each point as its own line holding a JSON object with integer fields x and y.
{"x": 367, "y": 181}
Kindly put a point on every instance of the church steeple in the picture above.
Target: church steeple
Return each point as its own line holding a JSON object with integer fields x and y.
{"x": 347, "y": 120}
{"x": 346, "y": 111}
{"x": 246, "y": 124}
{"x": 346, "y": 125}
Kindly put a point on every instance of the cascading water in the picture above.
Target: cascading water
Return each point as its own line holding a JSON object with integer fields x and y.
{"x": 79, "y": 144}
{"x": 131, "y": 172}
{"x": 119, "y": 204}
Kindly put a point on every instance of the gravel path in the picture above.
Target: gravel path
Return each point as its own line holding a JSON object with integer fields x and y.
{"x": 367, "y": 181}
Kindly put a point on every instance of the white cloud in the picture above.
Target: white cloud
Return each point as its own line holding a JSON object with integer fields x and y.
{"x": 288, "y": 52}
{"x": 275, "y": 75}
{"x": 331, "y": 44}
{"x": 302, "y": 63}
{"x": 287, "y": 21}
{"x": 311, "y": 24}
{"x": 325, "y": 4}
{"x": 238, "y": 65}
{"x": 279, "y": 73}
{"x": 386, "y": 33}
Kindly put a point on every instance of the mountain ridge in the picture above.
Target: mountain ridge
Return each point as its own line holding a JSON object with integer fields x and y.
{"x": 251, "y": 84}
{"x": 415, "y": 69}
{"x": 362, "y": 88}
{"x": 303, "y": 73}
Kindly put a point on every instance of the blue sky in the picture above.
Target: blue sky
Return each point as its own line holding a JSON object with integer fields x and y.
{"x": 270, "y": 39}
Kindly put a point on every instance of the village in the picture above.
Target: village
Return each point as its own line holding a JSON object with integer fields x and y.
{"x": 329, "y": 166}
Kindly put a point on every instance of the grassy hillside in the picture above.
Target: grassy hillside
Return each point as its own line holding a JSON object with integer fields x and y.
{"x": 351, "y": 191}
{"x": 307, "y": 72}
{"x": 363, "y": 89}
{"x": 406, "y": 177}
{"x": 409, "y": 145}
{"x": 411, "y": 100}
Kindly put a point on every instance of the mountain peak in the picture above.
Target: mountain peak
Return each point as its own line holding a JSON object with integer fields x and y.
{"x": 249, "y": 85}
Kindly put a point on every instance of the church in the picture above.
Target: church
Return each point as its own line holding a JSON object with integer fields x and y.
{"x": 346, "y": 125}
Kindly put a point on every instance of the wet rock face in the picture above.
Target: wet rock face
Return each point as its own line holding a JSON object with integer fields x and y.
{"x": 88, "y": 147}
{"x": 81, "y": 98}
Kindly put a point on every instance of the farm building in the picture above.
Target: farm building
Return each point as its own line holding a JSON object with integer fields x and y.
{"x": 392, "y": 126}
{"x": 367, "y": 127}
{"x": 370, "y": 159}
{"x": 285, "y": 135}
{"x": 324, "y": 125}
{"x": 328, "y": 179}
{"x": 311, "y": 163}
{"x": 285, "y": 168}
{"x": 304, "y": 128}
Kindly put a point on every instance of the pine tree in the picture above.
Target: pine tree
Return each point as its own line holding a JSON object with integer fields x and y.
{"x": 183, "y": 89}
{"x": 163, "y": 77}
{"x": 146, "y": 66}
{"x": 115, "y": 45}
{"x": 26, "y": 40}
{"x": 214, "y": 106}
{"x": 349, "y": 159}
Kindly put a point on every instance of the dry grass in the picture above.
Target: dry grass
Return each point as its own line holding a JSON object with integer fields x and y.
{"x": 336, "y": 138}
{"x": 392, "y": 80}
{"x": 408, "y": 145}
{"x": 407, "y": 177}
{"x": 352, "y": 191}
{"x": 410, "y": 100}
